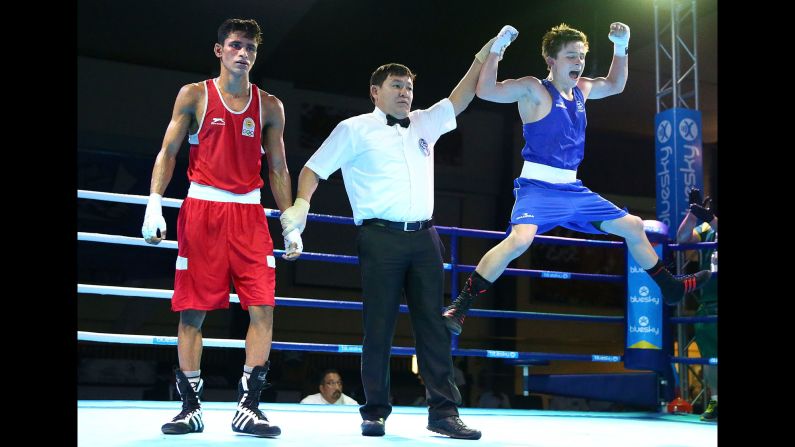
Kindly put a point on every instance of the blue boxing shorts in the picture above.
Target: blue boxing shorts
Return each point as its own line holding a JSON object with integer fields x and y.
{"x": 570, "y": 205}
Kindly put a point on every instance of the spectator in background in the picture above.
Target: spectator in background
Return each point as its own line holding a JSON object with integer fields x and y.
{"x": 700, "y": 224}
{"x": 330, "y": 387}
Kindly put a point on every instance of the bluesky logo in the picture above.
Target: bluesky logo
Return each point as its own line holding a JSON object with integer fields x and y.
{"x": 502, "y": 354}
{"x": 664, "y": 131}
{"x": 605, "y": 358}
{"x": 644, "y": 299}
{"x": 688, "y": 129}
{"x": 692, "y": 157}
{"x": 644, "y": 330}
{"x": 349, "y": 348}
{"x": 664, "y": 174}
{"x": 557, "y": 275}
{"x": 678, "y": 158}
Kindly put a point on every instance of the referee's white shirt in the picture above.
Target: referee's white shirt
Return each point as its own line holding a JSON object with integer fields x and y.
{"x": 387, "y": 170}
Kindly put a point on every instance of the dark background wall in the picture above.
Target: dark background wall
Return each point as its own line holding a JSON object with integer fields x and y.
{"x": 317, "y": 57}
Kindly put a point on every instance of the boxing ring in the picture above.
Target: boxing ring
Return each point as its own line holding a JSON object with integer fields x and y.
{"x": 133, "y": 423}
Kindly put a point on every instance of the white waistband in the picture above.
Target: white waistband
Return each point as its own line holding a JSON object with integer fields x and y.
{"x": 204, "y": 192}
{"x": 549, "y": 174}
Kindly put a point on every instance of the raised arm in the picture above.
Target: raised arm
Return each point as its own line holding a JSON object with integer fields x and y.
{"x": 509, "y": 90}
{"x": 181, "y": 116}
{"x": 686, "y": 233}
{"x": 506, "y": 91}
{"x": 463, "y": 93}
{"x": 616, "y": 79}
{"x": 698, "y": 210}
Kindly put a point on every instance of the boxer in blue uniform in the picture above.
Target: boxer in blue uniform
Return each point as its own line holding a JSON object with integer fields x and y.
{"x": 547, "y": 191}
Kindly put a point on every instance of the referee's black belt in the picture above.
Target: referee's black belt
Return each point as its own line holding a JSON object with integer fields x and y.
{"x": 402, "y": 226}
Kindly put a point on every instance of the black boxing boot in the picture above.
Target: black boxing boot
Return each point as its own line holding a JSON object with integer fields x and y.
{"x": 455, "y": 313}
{"x": 189, "y": 420}
{"x": 249, "y": 419}
{"x": 674, "y": 288}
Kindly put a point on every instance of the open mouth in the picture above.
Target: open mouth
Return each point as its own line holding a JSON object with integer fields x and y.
{"x": 574, "y": 74}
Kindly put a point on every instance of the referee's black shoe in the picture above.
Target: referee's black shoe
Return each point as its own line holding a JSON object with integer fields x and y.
{"x": 453, "y": 427}
{"x": 373, "y": 428}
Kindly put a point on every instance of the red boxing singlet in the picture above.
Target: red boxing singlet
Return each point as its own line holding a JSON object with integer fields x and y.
{"x": 226, "y": 152}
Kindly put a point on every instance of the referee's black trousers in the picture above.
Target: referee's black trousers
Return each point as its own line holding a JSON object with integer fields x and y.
{"x": 391, "y": 262}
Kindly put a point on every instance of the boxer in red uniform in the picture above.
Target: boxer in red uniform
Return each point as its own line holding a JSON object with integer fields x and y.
{"x": 221, "y": 230}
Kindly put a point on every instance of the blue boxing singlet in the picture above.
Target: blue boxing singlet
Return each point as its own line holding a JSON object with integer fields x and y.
{"x": 558, "y": 139}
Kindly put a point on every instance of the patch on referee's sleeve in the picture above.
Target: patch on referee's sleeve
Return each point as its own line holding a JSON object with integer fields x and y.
{"x": 182, "y": 263}
{"x": 271, "y": 262}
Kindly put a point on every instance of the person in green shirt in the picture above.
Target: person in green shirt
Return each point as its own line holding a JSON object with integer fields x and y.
{"x": 700, "y": 224}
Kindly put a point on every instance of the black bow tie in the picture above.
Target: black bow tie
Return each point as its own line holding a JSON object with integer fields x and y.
{"x": 391, "y": 121}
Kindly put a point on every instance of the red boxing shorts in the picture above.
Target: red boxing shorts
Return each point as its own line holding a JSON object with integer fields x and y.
{"x": 219, "y": 242}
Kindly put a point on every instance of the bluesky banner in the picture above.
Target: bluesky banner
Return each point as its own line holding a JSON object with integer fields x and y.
{"x": 644, "y": 307}
{"x": 644, "y": 337}
{"x": 678, "y": 163}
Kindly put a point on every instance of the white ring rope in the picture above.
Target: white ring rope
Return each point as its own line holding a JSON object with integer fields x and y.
{"x": 141, "y": 200}
{"x": 139, "y": 242}
{"x": 153, "y": 340}
{"x": 135, "y": 291}
{"x": 215, "y": 342}
{"x": 122, "y": 240}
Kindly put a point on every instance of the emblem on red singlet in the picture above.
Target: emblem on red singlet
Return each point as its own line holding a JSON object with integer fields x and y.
{"x": 248, "y": 127}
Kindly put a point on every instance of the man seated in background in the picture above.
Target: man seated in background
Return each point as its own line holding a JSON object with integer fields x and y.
{"x": 330, "y": 387}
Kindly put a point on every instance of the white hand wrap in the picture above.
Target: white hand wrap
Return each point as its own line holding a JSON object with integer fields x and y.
{"x": 504, "y": 38}
{"x": 619, "y": 38}
{"x": 295, "y": 217}
{"x": 153, "y": 218}
{"x": 293, "y": 243}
